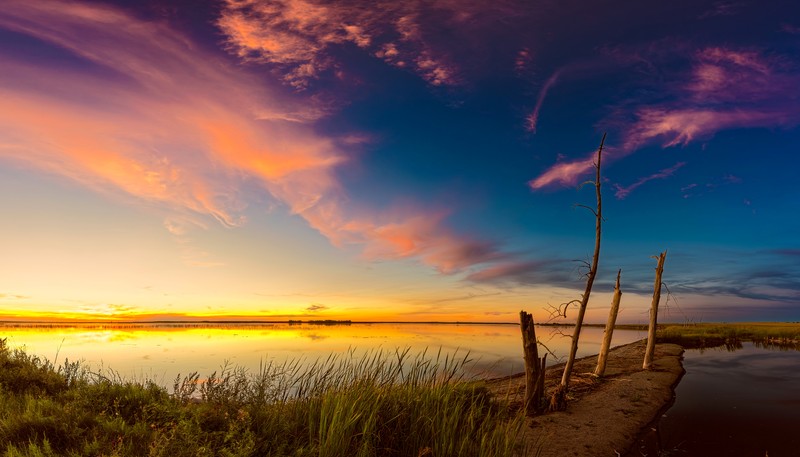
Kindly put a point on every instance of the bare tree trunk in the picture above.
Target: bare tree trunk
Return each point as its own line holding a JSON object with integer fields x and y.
{"x": 534, "y": 366}
{"x": 559, "y": 400}
{"x": 651, "y": 332}
{"x": 612, "y": 320}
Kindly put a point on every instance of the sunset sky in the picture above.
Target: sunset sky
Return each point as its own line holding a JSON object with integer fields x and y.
{"x": 396, "y": 160}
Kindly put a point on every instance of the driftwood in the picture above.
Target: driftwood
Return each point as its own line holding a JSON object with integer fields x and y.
{"x": 651, "y": 331}
{"x": 534, "y": 366}
{"x": 609, "y": 332}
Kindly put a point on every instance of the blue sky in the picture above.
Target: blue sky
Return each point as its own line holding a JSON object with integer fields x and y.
{"x": 396, "y": 160}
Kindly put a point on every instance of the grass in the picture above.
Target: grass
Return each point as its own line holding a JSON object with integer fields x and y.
{"x": 381, "y": 404}
{"x": 779, "y": 335}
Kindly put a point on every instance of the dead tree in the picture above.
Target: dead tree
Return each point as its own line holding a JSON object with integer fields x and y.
{"x": 558, "y": 402}
{"x": 609, "y": 332}
{"x": 534, "y": 366}
{"x": 651, "y": 331}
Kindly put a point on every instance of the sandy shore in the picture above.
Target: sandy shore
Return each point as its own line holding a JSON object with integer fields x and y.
{"x": 605, "y": 416}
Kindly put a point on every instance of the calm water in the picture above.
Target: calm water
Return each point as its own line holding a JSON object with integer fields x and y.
{"x": 740, "y": 403}
{"x": 161, "y": 352}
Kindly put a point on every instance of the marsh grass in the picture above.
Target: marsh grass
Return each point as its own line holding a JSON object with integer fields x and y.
{"x": 379, "y": 404}
{"x": 774, "y": 335}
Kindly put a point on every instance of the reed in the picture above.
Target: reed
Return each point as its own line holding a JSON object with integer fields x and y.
{"x": 378, "y": 404}
{"x": 779, "y": 335}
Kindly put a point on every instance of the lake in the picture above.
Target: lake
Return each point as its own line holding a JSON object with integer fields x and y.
{"x": 739, "y": 402}
{"x": 160, "y": 352}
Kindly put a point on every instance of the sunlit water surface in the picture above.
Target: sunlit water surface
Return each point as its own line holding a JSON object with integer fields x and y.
{"x": 162, "y": 352}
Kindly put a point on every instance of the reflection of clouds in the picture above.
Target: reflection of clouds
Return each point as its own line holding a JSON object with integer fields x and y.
{"x": 493, "y": 350}
{"x": 106, "y": 336}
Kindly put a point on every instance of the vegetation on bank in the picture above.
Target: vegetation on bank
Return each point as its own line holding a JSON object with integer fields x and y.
{"x": 382, "y": 404}
{"x": 783, "y": 335}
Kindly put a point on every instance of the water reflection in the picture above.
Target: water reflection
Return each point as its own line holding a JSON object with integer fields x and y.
{"x": 732, "y": 402}
{"x": 161, "y": 352}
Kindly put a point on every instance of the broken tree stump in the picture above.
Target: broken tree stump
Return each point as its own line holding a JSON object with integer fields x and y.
{"x": 602, "y": 357}
{"x": 534, "y": 366}
{"x": 651, "y": 331}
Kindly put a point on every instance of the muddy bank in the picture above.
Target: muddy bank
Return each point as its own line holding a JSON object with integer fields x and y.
{"x": 606, "y": 415}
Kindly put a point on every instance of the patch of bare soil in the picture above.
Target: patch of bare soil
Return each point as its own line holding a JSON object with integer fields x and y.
{"x": 605, "y": 415}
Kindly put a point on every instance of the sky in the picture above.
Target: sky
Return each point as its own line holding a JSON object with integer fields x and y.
{"x": 407, "y": 161}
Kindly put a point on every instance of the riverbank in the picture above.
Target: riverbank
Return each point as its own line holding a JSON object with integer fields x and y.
{"x": 769, "y": 334}
{"x": 605, "y": 415}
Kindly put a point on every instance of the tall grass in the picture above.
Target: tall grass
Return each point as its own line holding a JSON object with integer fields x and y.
{"x": 379, "y": 404}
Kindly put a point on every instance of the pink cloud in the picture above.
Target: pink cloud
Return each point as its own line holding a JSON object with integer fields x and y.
{"x": 564, "y": 173}
{"x": 170, "y": 124}
{"x": 681, "y": 126}
{"x": 533, "y": 119}
{"x": 523, "y": 60}
{"x": 298, "y": 37}
{"x": 401, "y": 234}
{"x": 623, "y": 192}
{"x": 507, "y": 270}
{"x": 725, "y": 89}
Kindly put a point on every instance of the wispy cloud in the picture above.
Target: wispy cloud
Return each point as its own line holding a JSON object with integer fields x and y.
{"x": 622, "y": 192}
{"x": 306, "y": 41}
{"x": 724, "y": 89}
{"x": 533, "y": 119}
{"x": 413, "y": 233}
{"x": 301, "y": 38}
{"x": 142, "y": 111}
{"x": 727, "y": 89}
{"x": 316, "y": 307}
{"x": 788, "y": 252}
{"x": 791, "y": 29}
{"x": 723, "y": 8}
{"x": 564, "y": 173}
{"x": 4, "y": 296}
{"x": 520, "y": 272}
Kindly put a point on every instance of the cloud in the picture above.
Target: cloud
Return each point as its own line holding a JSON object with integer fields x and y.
{"x": 551, "y": 272}
{"x": 154, "y": 121}
{"x": 787, "y": 252}
{"x": 302, "y": 40}
{"x": 565, "y": 173}
{"x": 724, "y": 8}
{"x": 14, "y": 297}
{"x": 767, "y": 276}
{"x": 139, "y": 110}
{"x": 415, "y": 233}
{"x": 724, "y": 89}
{"x": 314, "y": 307}
{"x": 533, "y": 119}
{"x": 622, "y": 192}
{"x": 523, "y": 60}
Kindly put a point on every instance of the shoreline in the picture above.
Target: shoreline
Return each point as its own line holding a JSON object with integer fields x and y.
{"x": 605, "y": 416}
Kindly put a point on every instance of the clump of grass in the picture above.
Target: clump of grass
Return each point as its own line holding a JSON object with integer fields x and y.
{"x": 379, "y": 404}
{"x": 779, "y": 335}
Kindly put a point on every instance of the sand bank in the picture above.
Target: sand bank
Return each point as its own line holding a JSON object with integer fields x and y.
{"x": 606, "y": 415}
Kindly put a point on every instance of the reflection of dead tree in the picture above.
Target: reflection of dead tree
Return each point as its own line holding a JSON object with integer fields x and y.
{"x": 534, "y": 366}
{"x": 558, "y": 402}
{"x": 609, "y": 332}
{"x": 651, "y": 332}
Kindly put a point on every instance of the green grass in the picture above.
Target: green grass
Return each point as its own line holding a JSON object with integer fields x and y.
{"x": 782, "y": 335}
{"x": 382, "y": 404}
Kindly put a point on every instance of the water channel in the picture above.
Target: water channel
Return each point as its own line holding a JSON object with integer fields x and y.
{"x": 731, "y": 402}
